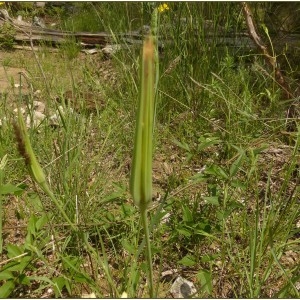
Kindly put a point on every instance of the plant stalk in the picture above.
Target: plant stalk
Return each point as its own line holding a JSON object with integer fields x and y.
{"x": 148, "y": 249}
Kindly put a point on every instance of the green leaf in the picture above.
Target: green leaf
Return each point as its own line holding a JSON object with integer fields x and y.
{"x": 204, "y": 233}
{"x": 44, "y": 281}
{"x": 188, "y": 261}
{"x": 20, "y": 267}
{"x": 236, "y": 164}
{"x": 184, "y": 232}
{"x": 205, "y": 279}
{"x": 31, "y": 225}
{"x": 80, "y": 278}
{"x": 41, "y": 222}
{"x": 36, "y": 202}
{"x": 128, "y": 210}
{"x": 7, "y": 288}
{"x": 182, "y": 145}
{"x": 59, "y": 283}
{"x": 14, "y": 250}
{"x": 71, "y": 263}
{"x": 214, "y": 200}
{"x": 8, "y": 188}
{"x": 23, "y": 279}
{"x": 217, "y": 171}
{"x": 208, "y": 257}
{"x": 10, "y": 266}
{"x": 6, "y": 275}
{"x": 128, "y": 247}
{"x": 238, "y": 184}
{"x": 186, "y": 214}
{"x": 232, "y": 205}
{"x": 110, "y": 217}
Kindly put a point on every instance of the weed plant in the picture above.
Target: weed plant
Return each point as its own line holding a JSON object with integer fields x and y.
{"x": 225, "y": 205}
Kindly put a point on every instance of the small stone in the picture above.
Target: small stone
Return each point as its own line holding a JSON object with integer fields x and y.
{"x": 168, "y": 275}
{"x": 182, "y": 288}
{"x": 124, "y": 295}
{"x": 36, "y": 120}
{"x": 39, "y": 106}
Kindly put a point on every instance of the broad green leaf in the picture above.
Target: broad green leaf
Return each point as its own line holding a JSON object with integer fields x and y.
{"x": 186, "y": 214}
{"x": 7, "y": 288}
{"x": 205, "y": 279}
{"x": 23, "y": 279}
{"x": 8, "y": 188}
{"x": 59, "y": 283}
{"x": 184, "y": 232}
{"x": 14, "y": 250}
{"x": 31, "y": 225}
{"x": 81, "y": 278}
{"x": 214, "y": 200}
{"x": 208, "y": 257}
{"x": 217, "y": 171}
{"x": 41, "y": 222}
{"x": 188, "y": 261}
{"x": 36, "y": 202}
{"x": 22, "y": 265}
{"x": 6, "y": 274}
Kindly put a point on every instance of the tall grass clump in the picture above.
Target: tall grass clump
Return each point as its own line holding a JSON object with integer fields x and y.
{"x": 196, "y": 31}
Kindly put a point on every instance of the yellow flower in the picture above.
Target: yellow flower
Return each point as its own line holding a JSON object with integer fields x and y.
{"x": 163, "y": 7}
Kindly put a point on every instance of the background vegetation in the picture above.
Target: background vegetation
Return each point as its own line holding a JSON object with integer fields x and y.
{"x": 225, "y": 211}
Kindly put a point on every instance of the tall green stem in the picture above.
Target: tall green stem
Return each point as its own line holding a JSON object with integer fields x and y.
{"x": 148, "y": 249}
